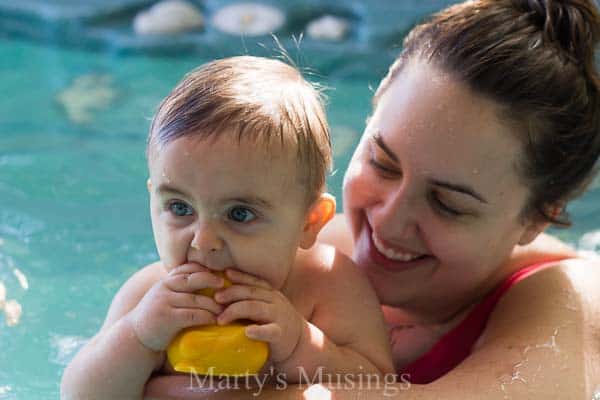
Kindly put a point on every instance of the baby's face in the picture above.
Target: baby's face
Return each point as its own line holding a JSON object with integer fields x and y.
{"x": 226, "y": 204}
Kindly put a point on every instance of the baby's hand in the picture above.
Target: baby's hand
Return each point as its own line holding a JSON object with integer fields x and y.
{"x": 173, "y": 304}
{"x": 253, "y": 298}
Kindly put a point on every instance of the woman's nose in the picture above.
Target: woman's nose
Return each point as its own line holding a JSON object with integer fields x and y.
{"x": 396, "y": 217}
{"x": 206, "y": 237}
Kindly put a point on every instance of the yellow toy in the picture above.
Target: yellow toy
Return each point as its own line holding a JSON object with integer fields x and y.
{"x": 217, "y": 350}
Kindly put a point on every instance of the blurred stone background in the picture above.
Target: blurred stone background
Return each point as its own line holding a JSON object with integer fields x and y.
{"x": 341, "y": 37}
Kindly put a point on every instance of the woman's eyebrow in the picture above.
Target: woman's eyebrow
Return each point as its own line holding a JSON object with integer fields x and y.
{"x": 379, "y": 140}
{"x": 459, "y": 188}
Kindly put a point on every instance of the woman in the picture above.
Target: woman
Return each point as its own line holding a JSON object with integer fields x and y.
{"x": 485, "y": 127}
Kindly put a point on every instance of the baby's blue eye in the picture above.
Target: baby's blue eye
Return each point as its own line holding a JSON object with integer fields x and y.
{"x": 180, "y": 209}
{"x": 241, "y": 214}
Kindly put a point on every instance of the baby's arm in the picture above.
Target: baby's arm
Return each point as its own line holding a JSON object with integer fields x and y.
{"x": 145, "y": 315}
{"x": 345, "y": 333}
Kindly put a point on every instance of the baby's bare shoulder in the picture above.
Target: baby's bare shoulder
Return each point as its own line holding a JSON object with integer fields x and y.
{"x": 132, "y": 291}
{"x": 329, "y": 270}
{"x": 344, "y": 300}
{"x": 319, "y": 261}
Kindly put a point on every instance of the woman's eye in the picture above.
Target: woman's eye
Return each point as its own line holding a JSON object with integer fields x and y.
{"x": 441, "y": 206}
{"x": 382, "y": 168}
{"x": 241, "y": 214}
{"x": 180, "y": 209}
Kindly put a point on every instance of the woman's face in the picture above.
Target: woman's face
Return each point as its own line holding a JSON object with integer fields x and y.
{"x": 432, "y": 193}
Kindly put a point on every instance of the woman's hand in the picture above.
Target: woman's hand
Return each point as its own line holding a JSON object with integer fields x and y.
{"x": 172, "y": 304}
{"x": 252, "y": 298}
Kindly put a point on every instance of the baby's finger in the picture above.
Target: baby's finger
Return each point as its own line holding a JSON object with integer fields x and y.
{"x": 188, "y": 268}
{"x": 250, "y": 309}
{"x": 187, "y": 317}
{"x": 237, "y": 276}
{"x": 243, "y": 292}
{"x": 191, "y": 300}
{"x": 267, "y": 332}
{"x": 193, "y": 282}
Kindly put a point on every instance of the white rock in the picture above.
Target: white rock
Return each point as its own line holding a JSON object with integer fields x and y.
{"x": 328, "y": 27}
{"x": 251, "y": 19}
{"x": 12, "y": 312}
{"x": 85, "y": 95}
{"x": 168, "y": 17}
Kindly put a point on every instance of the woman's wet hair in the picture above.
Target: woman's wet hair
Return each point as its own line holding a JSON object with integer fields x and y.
{"x": 535, "y": 58}
{"x": 262, "y": 102}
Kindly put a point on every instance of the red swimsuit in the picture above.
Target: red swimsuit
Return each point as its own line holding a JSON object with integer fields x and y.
{"x": 456, "y": 345}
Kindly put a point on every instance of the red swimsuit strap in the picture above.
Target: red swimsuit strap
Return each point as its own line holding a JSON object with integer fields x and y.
{"x": 456, "y": 344}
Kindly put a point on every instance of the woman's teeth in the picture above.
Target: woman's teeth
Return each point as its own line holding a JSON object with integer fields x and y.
{"x": 393, "y": 254}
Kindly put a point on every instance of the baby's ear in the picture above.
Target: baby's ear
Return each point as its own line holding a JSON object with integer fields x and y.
{"x": 149, "y": 185}
{"x": 320, "y": 213}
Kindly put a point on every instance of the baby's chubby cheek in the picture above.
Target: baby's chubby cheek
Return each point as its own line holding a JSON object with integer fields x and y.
{"x": 169, "y": 252}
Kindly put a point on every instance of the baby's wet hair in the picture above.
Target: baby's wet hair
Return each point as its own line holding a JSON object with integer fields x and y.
{"x": 262, "y": 101}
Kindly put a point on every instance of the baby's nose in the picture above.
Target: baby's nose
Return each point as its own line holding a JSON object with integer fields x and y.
{"x": 207, "y": 238}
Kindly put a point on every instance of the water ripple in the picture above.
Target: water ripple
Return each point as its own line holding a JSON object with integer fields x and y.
{"x": 64, "y": 348}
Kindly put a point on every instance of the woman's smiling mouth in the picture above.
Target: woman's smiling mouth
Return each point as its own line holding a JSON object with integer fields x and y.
{"x": 393, "y": 254}
{"x": 393, "y": 258}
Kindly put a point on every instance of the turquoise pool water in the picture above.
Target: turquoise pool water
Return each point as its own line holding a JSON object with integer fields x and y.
{"x": 73, "y": 203}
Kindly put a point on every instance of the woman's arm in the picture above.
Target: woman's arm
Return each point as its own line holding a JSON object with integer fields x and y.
{"x": 540, "y": 343}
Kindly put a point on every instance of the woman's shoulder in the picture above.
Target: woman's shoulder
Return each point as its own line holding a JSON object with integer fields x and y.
{"x": 548, "y": 320}
{"x": 581, "y": 278}
{"x": 567, "y": 281}
{"x": 552, "y": 318}
{"x": 564, "y": 286}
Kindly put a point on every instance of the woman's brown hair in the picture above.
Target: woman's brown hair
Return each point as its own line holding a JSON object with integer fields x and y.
{"x": 535, "y": 58}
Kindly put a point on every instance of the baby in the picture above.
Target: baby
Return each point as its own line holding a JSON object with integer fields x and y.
{"x": 238, "y": 153}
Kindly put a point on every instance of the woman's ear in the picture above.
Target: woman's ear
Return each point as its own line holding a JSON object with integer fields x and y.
{"x": 320, "y": 213}
{"x": 535, "y": 226}
{"x": 149, "y": 185}
{"x": 532, "y": 231}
